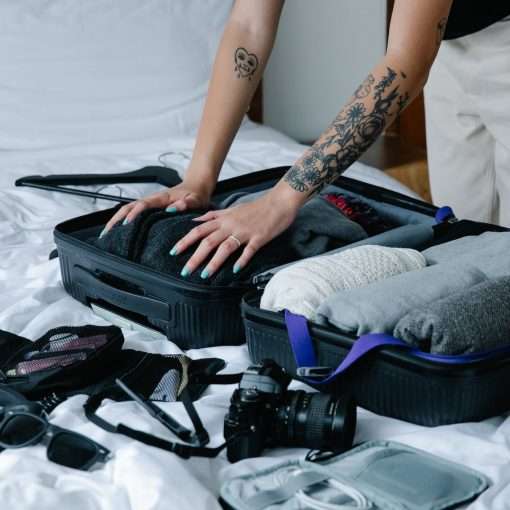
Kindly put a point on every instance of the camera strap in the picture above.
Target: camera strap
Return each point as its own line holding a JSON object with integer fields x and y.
{"x": 198, "y": 440}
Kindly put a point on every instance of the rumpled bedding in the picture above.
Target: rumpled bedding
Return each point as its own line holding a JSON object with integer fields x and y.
{"x": 32, "y": 300}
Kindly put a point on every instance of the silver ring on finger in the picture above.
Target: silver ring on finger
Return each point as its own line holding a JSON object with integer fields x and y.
{"x": 232, "y": 236}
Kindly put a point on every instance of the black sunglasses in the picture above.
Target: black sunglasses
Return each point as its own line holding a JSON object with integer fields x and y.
{"x": 25, "y": 424}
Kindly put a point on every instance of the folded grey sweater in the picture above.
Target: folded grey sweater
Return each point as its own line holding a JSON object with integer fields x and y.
{"x": 474, "y": 320}
{"x": 490, "y": 252}
{"x": 378, "y": 307}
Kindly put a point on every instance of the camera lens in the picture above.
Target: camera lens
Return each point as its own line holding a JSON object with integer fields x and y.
{"x": 317, "y": 421}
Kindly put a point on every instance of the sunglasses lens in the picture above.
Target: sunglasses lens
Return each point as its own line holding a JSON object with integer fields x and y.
{"x": 21, "y": 429}
{"x": 71, "y": 450}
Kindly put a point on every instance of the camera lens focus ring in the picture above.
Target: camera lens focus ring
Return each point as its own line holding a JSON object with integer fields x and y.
{"x": 317, "y": 422}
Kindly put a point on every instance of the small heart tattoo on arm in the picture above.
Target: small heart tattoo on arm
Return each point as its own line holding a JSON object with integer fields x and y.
{"x": 245, "y": 63}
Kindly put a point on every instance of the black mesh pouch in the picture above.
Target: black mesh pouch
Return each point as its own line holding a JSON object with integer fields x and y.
{"x": 64, "y": 361}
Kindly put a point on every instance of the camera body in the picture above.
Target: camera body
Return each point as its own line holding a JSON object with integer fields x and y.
{"x": 264, "y": 413}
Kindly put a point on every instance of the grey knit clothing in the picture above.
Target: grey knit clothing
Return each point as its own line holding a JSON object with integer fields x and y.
{"x": 318, "y": 227}
{"x": 474, "y": 320}
{"x": 490, "y": 252}
{"x": 378, "y": 307}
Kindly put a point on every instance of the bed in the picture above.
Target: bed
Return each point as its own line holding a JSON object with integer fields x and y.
{"x": 74, "y": 102}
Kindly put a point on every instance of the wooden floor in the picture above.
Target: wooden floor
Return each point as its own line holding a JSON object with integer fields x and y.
{"x": 406, "y": 163}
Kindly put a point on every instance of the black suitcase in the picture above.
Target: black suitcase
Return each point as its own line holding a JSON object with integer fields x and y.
{"x": 191, "y": 315}
{"x": 392, "y": 381}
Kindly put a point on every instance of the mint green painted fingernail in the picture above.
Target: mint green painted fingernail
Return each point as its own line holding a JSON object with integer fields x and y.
{"x": 173, "y": 251}
{"x": 103, "y": 232}
{"x": 126, "y": 221}
{"x": 185, "y": 272}
{"x": 237, "y": 268}
{"x": 204, "y": 274}
{"x": 171, "y": 209}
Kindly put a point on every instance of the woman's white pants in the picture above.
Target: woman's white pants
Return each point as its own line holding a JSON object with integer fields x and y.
{"x": 467, "y": 101}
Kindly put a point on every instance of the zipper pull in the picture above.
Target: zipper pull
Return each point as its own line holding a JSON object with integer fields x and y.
{"x": 261, "y": 280}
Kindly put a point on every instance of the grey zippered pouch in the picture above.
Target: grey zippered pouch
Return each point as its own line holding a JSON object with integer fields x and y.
{"x": 383, "y": 474}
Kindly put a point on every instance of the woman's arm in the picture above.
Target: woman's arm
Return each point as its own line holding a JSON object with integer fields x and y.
{"x": 242, "y": 55}
{"x": 415, "y": 35}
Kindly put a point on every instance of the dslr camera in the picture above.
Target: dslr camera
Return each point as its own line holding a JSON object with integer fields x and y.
{"x": 264, "y": 413}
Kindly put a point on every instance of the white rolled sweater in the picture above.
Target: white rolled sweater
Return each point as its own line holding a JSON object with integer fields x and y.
{"x": 302, "y": 287}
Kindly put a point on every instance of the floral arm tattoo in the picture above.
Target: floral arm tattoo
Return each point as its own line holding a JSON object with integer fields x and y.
{"x": 356, "y": 127}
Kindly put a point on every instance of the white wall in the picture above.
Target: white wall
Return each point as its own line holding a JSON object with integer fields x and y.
{"x": 324, "y": 49}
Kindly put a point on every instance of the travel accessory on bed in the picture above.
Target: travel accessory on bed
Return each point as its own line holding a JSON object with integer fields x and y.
{"x": 274, "y": 416}
{"x": 25, "y": 423}
{"x": 378, "y": 474}
{"x": 157, "y": 377}
{"x": 64, "y": 360}
{"x": 181, "y": 384}
{"x": 195, "y": 314}
{"x": 88, "y": 359}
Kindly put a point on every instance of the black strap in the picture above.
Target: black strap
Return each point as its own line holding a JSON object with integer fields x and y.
{"x": 216, "y": 378}
{"x": 182, "y": 450}
{"x": 201, "y": 433}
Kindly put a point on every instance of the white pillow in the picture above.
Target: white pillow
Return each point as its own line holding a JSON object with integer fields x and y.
{"x": 78, "y": 73}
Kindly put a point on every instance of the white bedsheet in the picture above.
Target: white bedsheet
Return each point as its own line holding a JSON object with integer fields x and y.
{"x": 33, "y": 300}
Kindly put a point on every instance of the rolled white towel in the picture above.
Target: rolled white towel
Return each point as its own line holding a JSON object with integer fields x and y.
{"x": 302, "y": 287}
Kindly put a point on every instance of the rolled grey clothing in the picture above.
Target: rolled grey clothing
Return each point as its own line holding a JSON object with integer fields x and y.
{"x": 474, "y": 320}
{"x": 378, "y": 307}
{"x": 320, "y": 227}
{"x": 407, "y": 236}
{"x": 490, "y": 252}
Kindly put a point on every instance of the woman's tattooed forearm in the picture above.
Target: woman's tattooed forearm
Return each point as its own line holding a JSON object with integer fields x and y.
{"x": 245, "y": 63}
{"x": 364, "y": 89}
{"x": 353, "y": 131}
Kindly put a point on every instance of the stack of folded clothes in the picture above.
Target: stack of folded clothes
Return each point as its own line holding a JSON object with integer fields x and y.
{"x": 458, "y": 304}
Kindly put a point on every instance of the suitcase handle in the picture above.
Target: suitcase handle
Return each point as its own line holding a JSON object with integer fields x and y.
{"x": 97, "y": 289}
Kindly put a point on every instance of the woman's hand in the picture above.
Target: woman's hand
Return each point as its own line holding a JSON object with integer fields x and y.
{"x": 186, "y": 195}
{"x": 250, "y": 226}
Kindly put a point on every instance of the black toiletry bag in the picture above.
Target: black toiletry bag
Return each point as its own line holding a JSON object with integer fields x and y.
{"x": 192, "y": 315}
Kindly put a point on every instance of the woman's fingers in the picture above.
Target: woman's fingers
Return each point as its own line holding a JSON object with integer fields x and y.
{"x": 225, "y": 249}
{"x": 139, "y": 206}
{"x": 193, "y": 236}
{"x": 208, "y": 216}
{"x": 118, "y": 216}
{"x": 206, "y": 246}
{"x": 128, "y": 212}
{"x": 249, "y": 251}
